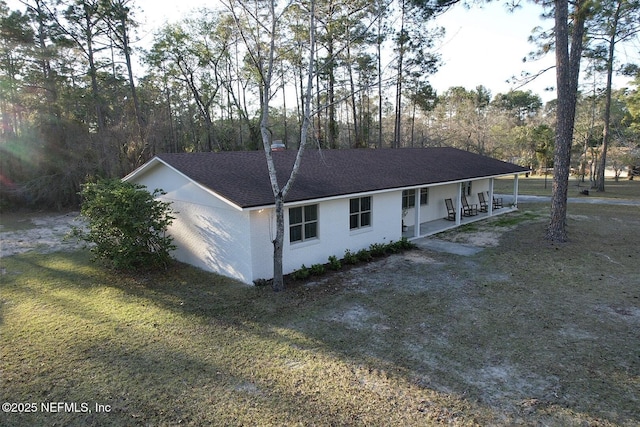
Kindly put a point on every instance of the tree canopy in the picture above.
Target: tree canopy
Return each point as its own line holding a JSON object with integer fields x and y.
{"x": 75, "y": 105}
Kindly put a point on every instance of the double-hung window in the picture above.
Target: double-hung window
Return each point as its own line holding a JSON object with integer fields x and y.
{"x": 303, "y": 223}
{"x": 408, "y": 199}
{"x": 424, "y": 196}
{"x": 359, "y": 212}
{"x": 466, "y": 188}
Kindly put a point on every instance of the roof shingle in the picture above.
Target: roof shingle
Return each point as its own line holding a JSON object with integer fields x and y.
{"x": 243, "y": 178}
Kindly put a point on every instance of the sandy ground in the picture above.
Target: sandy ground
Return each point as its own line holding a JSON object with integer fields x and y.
{"x": 41, "y": 233}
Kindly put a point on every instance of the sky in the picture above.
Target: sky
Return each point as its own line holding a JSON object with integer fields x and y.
{"x": 482, "y": 46}
{"x": 486, "y": 46}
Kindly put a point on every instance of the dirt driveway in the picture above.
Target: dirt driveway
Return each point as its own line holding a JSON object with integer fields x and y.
{"x": 43, "y": 233}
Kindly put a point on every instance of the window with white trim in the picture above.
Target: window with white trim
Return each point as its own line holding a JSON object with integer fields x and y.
{"x": 466, "y": 188}
{"x": 360, "y": 212}
{"x": 408, "y": 199}
{"x": 424, "y": 196}
{"x": 303, "y": 223}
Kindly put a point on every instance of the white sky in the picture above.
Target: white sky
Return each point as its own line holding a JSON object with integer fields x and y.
{"x": 482, "y": 46}
{"x": 485, "y": 46}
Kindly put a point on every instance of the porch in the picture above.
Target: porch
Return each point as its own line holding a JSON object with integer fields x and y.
{"x": 429, "y": 228}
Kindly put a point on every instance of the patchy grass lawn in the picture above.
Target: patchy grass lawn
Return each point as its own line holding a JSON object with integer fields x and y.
{"x": 537, "y": 186}
{"x": 522, "y": 333}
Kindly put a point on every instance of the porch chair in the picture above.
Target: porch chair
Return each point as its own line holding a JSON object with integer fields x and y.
{"x": 451, "y": 211}
{"x": 467, "y": 209}
{"x": 484, "y": 206}
{"x": 497, "y": 202}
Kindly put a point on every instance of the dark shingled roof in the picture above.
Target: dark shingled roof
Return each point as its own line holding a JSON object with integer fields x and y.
{"x": 242, "y": 176}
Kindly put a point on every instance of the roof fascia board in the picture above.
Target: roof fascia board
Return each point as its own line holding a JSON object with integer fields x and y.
{"x": 197, "y": 184}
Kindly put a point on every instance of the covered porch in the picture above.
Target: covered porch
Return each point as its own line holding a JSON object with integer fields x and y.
{"x": 436, "y": 226}
{"x": 437, "y": 208}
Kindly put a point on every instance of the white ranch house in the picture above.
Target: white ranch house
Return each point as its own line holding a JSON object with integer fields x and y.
{"x": 341, "y": 199}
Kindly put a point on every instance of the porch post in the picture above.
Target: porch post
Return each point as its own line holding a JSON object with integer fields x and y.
{"x": 490, "y": 201}
{"x": 416, "y": 211}
{"x": 515, "y": 190}
{"x": 459, "y": 204}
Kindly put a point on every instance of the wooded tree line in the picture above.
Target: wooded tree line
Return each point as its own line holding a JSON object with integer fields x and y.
{"x": 77, "y": 105}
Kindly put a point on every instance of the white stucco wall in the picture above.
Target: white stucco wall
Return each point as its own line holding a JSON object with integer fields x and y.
{"x": 334, "y": 235}
{"x": 209, "y": 233}
{"x": 263, "y": 232}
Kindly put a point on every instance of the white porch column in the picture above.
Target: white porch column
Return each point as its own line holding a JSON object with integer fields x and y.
{"x": 459, "y": 204}
{"x": 490, "y": 201}
{"x": 416, "y": 211}
{"x": 515, "y": 190}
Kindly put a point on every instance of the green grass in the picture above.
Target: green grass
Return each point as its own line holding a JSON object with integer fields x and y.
{"x": 538, "y": 186}
{"x": 184, "y": 347}
{"x": 525, "y": 333}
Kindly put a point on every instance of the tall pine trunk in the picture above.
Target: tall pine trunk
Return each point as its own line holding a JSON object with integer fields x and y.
{"x": 568, "y": 57}
{"x": 607, "y": 108}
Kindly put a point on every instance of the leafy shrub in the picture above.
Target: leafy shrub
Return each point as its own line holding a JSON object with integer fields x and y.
{"x": 378, "y": 249}
{"x": 317, "y": 269}
{"x": 399, "y": 246}
{"x": 127, "y": 224}
{"x": 364, "y": 255}
{"x": 350, "y": 257}
{"x": 334, "y": 263}
{"x": 405, "y": 244}
{"x": 302, "y": 273}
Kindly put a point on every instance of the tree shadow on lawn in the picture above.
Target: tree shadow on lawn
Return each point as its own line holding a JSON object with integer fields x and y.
{"x": 173, "y": 347}
{"x": 534, "y": 332}
{"x": 523, "y": 333}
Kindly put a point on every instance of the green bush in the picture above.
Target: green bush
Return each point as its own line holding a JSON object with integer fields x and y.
{"x": 127, "y": 225}
{"x": 378, "y": 249}
{"x": 405, "y": 244}
{"x": 364, "y": 255}
{"x": 317, "y": 269}
{"x": 334, "y": 263}
{"x": 302, "y": 273}
{"x": 350, "y": 257}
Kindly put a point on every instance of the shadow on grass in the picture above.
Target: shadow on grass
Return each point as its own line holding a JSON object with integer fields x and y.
{"x": 524, "y": 333}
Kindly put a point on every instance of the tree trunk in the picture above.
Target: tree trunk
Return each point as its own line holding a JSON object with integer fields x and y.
{"x": 398, "y": 111}
{"x": 265, "y": 66}
{"x": 278, "y": 276}
{"x": 126, "y": 49}
{"x": 380, "y": 96}
{"x": 567, "y": 72}
{"x": 332, "y": 128}
{"x": 607, "y": 108}
{"x": 354, "y": 109}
